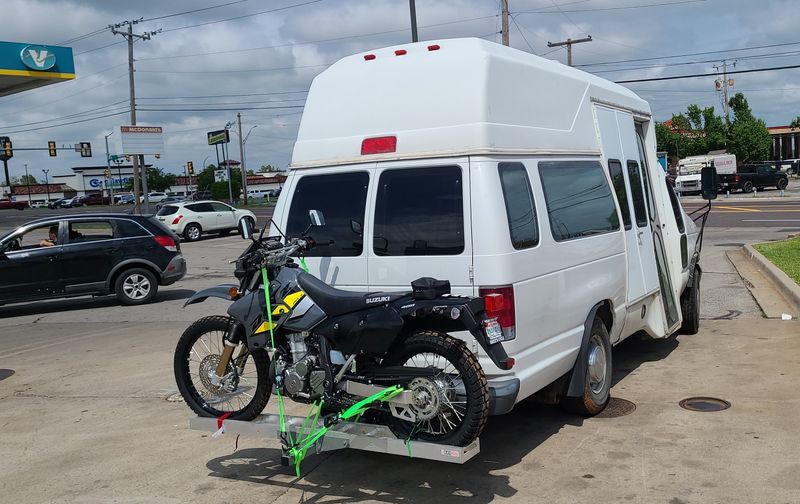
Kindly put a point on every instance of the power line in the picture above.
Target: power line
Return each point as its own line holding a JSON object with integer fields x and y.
{"x": 84, "y": 36}
{"x": 194, "y": 10}
{"x": 561, "y": 11}
{"x": 67, "y": 123}
{"x": 690, "y": 76}
{"x": 218, "y": 104}
{"x": 99, "y": 48}
{"x": 698, "y": 62}
{"x": 243, "y": 16}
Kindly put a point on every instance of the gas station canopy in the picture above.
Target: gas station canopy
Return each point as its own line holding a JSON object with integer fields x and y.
{"x": 27, "y": 66}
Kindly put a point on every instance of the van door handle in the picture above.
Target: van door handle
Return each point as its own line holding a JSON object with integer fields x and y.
{"x": 639, "y": 236}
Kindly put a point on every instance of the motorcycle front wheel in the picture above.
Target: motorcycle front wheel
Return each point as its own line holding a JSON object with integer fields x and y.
{"x": 244, "y": 390}
{"x": 450, "y": 407}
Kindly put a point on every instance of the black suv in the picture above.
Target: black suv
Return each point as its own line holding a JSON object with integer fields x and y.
{"x": 89, "y": 254}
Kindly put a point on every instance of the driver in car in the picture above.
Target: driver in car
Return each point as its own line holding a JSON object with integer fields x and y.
{"x": 53, "y": 237}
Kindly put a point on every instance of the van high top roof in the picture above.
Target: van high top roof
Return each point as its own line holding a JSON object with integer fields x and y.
{"x": 451, "y": 97}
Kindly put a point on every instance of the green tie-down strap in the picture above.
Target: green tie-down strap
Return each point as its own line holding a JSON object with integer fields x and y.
{"x": 306, "y": 438}
{"x": 303, "y": 264}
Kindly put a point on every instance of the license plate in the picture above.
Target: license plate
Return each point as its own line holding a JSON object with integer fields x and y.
{"x": 494, "y": 333}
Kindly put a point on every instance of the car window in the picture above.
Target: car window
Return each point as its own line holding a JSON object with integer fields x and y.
{"x": 220, "y": 207}
{"x": 128, "y": 229}
{"x": 200, "y": 207}
{"x": 45, "y": 235}
{"x": 420, "y": 211}
{"x": 168, "y": 210}
{"x": 342, "y": 199}
{"x": 89, "y": 231}
{"x": 579, "y": 200}
{"x": 618, "y": 180}
{"x": 520, "y": 209}
{"x": 639, "y": 206}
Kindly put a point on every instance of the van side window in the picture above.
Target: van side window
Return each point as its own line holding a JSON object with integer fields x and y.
{"x": 618, "y": 179}
{"x": 579, "y": 200}
{"x": 342, "y": 198}
{"x": 676, "y": 208}
{"x": 639, "y": 208}
{"x": 520, "y": 209}
{"x": 420, "y": 211}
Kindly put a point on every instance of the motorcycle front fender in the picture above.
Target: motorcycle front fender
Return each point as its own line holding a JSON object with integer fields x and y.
{"x": 218, "y": 291}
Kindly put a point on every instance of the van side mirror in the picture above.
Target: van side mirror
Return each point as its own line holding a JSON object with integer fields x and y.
{"x": 246, "y": 228}
{"x": 317, "y": 219}
{"x": 708, "y": 182}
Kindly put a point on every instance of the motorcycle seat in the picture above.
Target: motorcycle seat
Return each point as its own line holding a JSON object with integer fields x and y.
{"x": 338, "y": 302}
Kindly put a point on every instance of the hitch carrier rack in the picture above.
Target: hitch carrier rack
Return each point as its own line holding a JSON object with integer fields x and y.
{"x": 345, "y": 434}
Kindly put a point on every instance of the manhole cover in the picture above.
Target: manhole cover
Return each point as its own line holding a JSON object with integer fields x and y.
{"x": 616, "y": 408}
{"x": 5, "y": 373}
{"x": 704, "y": 404}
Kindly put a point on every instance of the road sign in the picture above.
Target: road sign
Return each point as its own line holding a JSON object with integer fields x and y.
{"x": 220, "y": 175}
{"x": 51, "y": 148}
{"x": 86, "y": 149}
{"x": 218, "y": 137}
{"x": 141, "y": 140}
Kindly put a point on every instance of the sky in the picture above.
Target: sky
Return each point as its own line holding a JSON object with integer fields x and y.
{"x": 259, "y": 57}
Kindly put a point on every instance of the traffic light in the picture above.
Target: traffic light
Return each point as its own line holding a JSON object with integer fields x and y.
{"x": 8, "y": 148}
{"x": 86, "y": 149}
{"x": 51, "y": 148}
{"x": 106, "y": 173}
{"x": 190, "y": 168}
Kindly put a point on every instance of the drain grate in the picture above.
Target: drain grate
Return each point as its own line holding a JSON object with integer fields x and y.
{"x": 704, "y": 404}
{"x": 617, "y": 408}
{"x": 5, "y": 373}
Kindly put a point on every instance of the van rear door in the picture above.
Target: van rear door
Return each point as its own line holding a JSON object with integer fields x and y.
{"x": 421, "y": 225}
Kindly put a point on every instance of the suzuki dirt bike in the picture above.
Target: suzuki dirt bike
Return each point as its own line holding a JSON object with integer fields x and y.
{"x": 312, "y": 342}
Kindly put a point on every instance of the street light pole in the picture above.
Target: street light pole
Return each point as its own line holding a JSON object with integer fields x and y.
{"x": 28, "y": 184}
{"x": 108, "y": 166}
{"x": 47, "y": 185}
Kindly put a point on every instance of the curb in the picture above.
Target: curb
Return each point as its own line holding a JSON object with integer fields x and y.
{"x": 786, "y": 286}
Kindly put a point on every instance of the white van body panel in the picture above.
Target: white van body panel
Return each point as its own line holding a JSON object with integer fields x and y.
{"x": 519, "y": 108}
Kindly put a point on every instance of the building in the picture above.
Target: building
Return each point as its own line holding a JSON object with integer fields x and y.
{"x": 785, "y": 143}
{"x": 257, "y": 182}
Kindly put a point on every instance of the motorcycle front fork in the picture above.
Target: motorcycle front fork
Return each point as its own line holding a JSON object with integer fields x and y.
{"x": 229, "y": 345}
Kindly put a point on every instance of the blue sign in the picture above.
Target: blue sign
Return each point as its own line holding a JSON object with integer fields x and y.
{"x": 95, "y": 182}
{"x": 38, "y": 57}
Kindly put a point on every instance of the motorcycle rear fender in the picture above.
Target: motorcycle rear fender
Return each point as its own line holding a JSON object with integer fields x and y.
{"x": 471, "y": 316}
{"x": 219, "y": 291}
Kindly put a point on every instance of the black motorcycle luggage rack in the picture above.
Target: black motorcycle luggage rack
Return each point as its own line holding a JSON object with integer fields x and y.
{"x": 429, "y": 288}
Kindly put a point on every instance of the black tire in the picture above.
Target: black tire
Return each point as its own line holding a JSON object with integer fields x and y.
{"x": 476, "y": 411}
{"x": 182, "y": 365}
{"x": 595, "y": 395}
{"x": 192, "y": 232}
{"x": 690, "y": 306}
{"x": 782, "y": 183}
{"x": 136, "y": 286}
{"x": 747, "y": 187}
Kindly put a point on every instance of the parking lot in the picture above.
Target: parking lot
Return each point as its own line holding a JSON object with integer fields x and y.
{"x": 92, "y": 404}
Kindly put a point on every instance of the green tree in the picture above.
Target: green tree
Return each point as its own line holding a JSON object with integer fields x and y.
{"x": 219, "y": 190}
{"x": 748, "y": 136}
{"x": 157, "y": 180}
{"x": 267, "y": 168}
{"x": 24, "y": 180}
{"x": 795, "y": 122}
{"x": 695, "y": 132}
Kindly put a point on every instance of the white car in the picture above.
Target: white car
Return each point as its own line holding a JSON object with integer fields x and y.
{"x": 191, "y": 219}
{"x": 154, "y": 197}
{"x": 39, "y": 204}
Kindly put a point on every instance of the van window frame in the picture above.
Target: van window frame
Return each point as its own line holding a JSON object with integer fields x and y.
{"x": 625, "y": 210}
{"x": 519, "y": 244}
{"x": 633, "y": 170}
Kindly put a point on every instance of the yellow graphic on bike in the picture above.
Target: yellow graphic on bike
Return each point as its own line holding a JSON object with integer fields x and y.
{"x": 289, "y": 302}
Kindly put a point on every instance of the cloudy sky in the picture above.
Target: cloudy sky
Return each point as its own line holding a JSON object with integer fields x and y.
{"x": 260, "y": 56}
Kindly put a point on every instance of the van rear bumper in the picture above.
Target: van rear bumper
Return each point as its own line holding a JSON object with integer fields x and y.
{"x": 503, "y": 395}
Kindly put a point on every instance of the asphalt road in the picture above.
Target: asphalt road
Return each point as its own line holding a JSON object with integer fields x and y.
{"x": 751, "y": 212}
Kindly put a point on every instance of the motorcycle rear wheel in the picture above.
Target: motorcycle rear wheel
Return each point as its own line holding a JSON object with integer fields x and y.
{"x": 460, "y": 409}
{"x": 196, "y": 357}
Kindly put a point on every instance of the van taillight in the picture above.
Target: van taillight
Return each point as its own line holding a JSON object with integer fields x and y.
{"x": 167, "y": 242}
{"x": 177, "y": 219}
{"x": 499, "y": 302}
{"x": 379, "y": 145}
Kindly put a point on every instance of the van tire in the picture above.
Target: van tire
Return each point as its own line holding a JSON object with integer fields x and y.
{"x": 747, "y": 187}
{"x": 690, "y": 306}
{"x": 595, "y": 395}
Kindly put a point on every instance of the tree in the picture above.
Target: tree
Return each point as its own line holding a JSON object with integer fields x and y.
{"x": 748, "y": 137}
{"x": 695, "y": 132}
{"x": 23, "y": 180}
{"x": 267, "y": 168}
{"x": 795, "y": 122}
{"x": 157, "y": 180}
{"x": 219, "y": 190}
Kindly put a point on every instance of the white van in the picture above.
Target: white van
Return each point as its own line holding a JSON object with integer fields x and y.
{"x": 502, "y": 172}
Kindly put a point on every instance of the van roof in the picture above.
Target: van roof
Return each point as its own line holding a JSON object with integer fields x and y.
{"x": 452, "y": 97}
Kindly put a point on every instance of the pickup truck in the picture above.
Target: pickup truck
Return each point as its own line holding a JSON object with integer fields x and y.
{"x": 7, "y": 204}
{"x": 753, "y": 176}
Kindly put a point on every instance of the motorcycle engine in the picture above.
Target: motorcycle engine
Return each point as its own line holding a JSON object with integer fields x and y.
{"x": 303, "y": 377}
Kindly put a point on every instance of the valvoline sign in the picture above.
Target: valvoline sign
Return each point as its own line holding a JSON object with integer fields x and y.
{"x": 38, "y": 57}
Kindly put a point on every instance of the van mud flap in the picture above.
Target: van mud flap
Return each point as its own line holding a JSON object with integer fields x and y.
{"x": 578, "y": 373}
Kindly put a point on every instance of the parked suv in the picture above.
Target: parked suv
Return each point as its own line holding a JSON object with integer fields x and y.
{"x": 89, "y": 254}
{"x": 191, "y": 219}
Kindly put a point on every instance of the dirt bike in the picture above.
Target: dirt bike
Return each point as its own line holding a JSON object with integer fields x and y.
{"x": 289, "y": 330}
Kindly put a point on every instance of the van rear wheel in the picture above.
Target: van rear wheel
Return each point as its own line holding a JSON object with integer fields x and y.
{"x": 690, "y": 306}
{"x": 597, "y": 379}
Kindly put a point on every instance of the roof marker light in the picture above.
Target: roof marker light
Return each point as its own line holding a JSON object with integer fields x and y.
{"x": 434, "y": 47}
{"x": 378, "y": 145}
{"x": 369, "y": 57}
{"x": 400, "y": 52}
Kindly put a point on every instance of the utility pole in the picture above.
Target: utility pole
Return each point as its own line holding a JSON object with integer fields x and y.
{"x": 412, "y": 4}
{"x": 108, "y": 165}
{"x": 28, "y": 184}
{"x": 569, "y": 43}
{"x": 47, "y": 184}
{"x": 241, "y": 157}
{"x": 130, "y": 37}
{"x": 722, "y": 86}
{"x": 504, "y": 8}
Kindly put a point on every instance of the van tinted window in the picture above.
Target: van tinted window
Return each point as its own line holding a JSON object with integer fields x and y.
{"x": 676, "y": 208}
{"x": 618, "y": 179}
{"x": 579, "y": 200}
{"x": 420, "y": 211}
{"x": 520, "y": 209}
{"x": 639, "y": 208}
{"x": 342, "y": 198}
